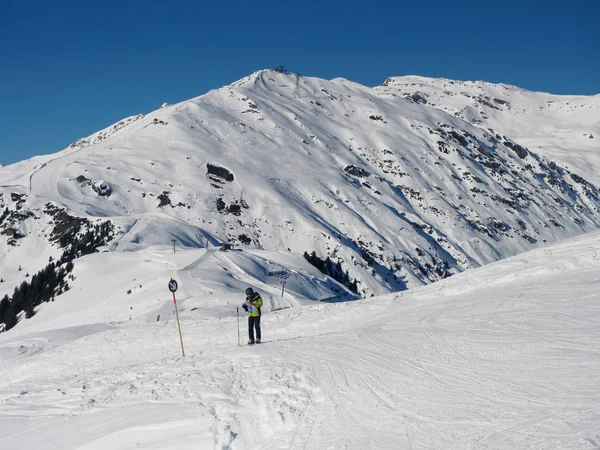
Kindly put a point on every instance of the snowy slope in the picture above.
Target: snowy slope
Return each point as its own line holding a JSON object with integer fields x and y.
{"x": 129, "y": 284}
{"x": 505, "y": 356}
{"x": 564, "y": 128}
{"x": 399, "y": 193}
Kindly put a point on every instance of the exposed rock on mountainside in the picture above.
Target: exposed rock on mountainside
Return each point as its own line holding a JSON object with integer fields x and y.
{"x": 401, "y": 185}
{"x": 100, "y": 188}
{"x": 554, "y": 126}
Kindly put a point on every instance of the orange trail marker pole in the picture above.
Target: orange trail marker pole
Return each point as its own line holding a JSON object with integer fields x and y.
{"x": 173, "y": 288}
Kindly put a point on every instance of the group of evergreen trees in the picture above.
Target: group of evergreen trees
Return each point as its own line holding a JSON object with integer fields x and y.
{"x": 95, "y": 237}
{"x": 4, "y": 215}
{"x": 52, "y": 280}
{"x": 334, "y": 270}
{"x": 42, "y": 287}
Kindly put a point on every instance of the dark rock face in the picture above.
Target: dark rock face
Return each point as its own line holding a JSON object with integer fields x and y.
{"x": 485, "y": 100}
{"x": 234, "y": 208}
{"x": 219, "y": 174}
{"x": 102, "y": 189}
{"x": 578, "y": 179}
{"x": 19, "y": 199}
{"x": 356, "y": 171}
{"x": 418, "y": 98}
{"x": 443, "y": 147}
{"x": 164, "y": 199}
{"x": 11, "y": 219}
{"x": 459, "y": 138}
{"x": 520, "y": 151}
{"x": 244, "y": 239}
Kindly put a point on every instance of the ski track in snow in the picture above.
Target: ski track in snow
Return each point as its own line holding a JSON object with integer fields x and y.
{"x": 495, "y": 358}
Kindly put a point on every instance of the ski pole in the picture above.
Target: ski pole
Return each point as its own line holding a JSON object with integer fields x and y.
{"x": 238, "y": 322}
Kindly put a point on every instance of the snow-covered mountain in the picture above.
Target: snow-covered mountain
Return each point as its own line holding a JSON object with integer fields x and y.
{"x": 563, "y": 128}
{"x": 323, "y": 188}
{"x": 394, "y": 192}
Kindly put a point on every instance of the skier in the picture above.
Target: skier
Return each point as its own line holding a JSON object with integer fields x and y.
{"x": 252, "y": 305}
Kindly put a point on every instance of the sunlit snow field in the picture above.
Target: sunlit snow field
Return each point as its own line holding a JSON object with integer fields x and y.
{"x": 504, "y": 357}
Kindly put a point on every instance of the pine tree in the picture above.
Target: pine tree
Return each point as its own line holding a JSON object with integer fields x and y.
{"x": 8, "y": 315}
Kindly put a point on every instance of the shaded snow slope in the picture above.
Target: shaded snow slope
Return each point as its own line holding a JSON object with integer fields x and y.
{"x": 397, "y": 192}
{"x": 505, "y": 356}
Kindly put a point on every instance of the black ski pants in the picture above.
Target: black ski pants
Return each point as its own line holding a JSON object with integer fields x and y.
{"x": 253, "y": 324}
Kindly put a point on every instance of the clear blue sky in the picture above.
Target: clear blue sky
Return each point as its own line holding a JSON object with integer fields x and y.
{"x": 70, "y": 68}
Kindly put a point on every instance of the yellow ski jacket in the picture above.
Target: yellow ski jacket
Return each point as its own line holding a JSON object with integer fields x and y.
{"x": 254, "y": 303}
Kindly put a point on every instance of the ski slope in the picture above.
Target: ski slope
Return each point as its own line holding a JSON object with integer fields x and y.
{"x": 501, "y": 357}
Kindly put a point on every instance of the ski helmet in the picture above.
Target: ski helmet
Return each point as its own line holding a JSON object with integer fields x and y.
{"x": 249, "y": 291}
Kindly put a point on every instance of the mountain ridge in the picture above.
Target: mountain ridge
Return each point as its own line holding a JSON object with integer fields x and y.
{"x": 563, "y": 128}
{"x": 425, "y": 80}
{"x": 398, "y": 192}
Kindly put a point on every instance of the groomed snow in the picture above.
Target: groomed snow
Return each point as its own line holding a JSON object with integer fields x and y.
{"x": 504, "y": 357}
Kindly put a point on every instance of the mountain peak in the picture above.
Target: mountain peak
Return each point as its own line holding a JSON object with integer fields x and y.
{"x": 385, "y": 188}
